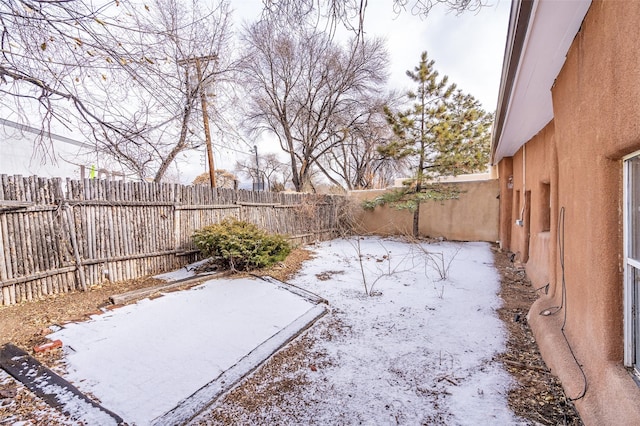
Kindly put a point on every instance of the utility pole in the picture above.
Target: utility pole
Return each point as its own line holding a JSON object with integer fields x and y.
{"x": 205, "y": 117}
{"x": 255, "y": 148}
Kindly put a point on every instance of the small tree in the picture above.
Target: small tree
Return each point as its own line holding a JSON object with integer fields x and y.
{"x": 241, "y": 246}
{"x": 444, "y": 133}
{"x": 270, "y": 168}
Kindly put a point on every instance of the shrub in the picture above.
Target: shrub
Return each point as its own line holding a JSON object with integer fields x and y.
{"x": 241, "y": 246}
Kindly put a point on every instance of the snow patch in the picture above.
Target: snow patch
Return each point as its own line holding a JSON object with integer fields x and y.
{"x": 141, "y": 360}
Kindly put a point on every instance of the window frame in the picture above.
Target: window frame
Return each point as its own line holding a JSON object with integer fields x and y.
{"x": 631, "y": 332}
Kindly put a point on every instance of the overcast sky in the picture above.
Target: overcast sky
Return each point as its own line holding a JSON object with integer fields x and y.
{"x": 469, "y": 48}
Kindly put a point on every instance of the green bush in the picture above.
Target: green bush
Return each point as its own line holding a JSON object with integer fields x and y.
{"x": 241, "y": 246}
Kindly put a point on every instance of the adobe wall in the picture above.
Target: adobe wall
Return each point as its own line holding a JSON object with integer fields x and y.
{"x": 383, "y": 220}
{"x": 596, "y": 122}
{"x": 529, "y": 224}
{"x": 505, "y": 172}
{"x": 472, "y": 217}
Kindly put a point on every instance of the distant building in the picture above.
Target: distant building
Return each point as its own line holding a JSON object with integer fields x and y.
{"x": 54, "y": 156}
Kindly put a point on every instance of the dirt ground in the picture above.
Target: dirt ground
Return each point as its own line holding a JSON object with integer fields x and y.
{"x": 537, "y": 397}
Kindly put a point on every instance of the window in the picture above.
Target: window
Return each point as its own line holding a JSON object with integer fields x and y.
{"x": 545, "y": 207}
{"x": 631, "y": 213}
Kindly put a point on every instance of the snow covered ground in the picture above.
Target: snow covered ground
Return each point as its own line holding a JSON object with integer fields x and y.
{"x": 418, "y": 350}
{"x": 142, "y": 360}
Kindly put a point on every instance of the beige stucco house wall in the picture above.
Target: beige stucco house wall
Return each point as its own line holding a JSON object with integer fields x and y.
{"x": 561, "y": 190}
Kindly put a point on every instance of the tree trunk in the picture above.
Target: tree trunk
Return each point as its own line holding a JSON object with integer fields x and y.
{"x": 304, "y": 178}
{"x": 416, "y": 221}
{"x": 179, "y": 147}
{"x": 306, "y": 185}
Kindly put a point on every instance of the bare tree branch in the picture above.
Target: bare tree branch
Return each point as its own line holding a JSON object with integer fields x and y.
{"x": 115, "y": 70}
{"x": 302, "y": 86}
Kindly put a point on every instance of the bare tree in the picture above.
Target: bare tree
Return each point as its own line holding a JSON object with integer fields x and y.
{"x": 355, "y": 163}
{"x": 186, "y": 51}
{"x": 300, "y": 82}
{"x": 351, "y": 13}
{"x": 275, "y": 173}
{"x": 125, "y": 71}
{"x": 49, "y": 50}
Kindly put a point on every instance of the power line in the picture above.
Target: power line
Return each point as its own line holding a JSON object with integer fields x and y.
{"x": 222, "y": 147}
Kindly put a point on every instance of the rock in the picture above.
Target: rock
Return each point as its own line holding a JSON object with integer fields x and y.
{"x": 48, "y": 346}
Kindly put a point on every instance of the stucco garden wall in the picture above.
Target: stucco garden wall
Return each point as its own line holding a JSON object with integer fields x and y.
{"x": 472, "y": 217}
{"x": 579, "y": 154}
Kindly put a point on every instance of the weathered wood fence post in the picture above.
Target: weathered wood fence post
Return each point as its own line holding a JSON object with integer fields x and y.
{"x": 71, "y": 226}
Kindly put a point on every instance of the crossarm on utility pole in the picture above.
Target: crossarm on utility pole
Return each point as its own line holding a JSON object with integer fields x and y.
{"x": 205, "y": 117}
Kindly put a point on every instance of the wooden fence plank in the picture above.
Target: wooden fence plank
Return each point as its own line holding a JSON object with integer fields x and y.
{"x": 61, "y": 237}
{"x": 74, "y": 245}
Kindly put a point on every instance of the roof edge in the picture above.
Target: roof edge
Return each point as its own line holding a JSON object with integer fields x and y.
{"x": 519, "y": 20}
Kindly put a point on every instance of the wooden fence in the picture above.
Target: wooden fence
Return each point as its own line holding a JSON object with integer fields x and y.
{"x": 60, "y": 236}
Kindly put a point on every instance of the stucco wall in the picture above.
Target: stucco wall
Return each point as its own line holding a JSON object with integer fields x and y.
{"x": 472, "y": 217}
{"x": 531, "y": 230}
{"x": 596, "y": 122}
{"x": 505, "y": 171}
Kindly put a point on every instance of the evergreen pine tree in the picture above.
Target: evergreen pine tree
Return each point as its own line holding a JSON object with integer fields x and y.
{"x": 444, "y": 133}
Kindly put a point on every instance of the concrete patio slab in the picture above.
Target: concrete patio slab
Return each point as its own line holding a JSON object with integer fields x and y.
{"x": 161, "y": 361}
